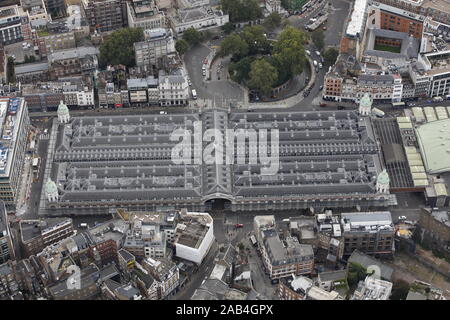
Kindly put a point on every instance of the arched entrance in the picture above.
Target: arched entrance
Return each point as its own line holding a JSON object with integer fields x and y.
{"x": 218, "y": 204}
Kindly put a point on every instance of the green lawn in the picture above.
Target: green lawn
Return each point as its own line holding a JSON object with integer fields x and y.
{"x": 381, "y": 47}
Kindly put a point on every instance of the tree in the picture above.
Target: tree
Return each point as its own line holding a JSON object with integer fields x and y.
{"x": 234, "y": 45}
{"x": 400, "y": 290}
{"x": 241, "y": 10}
{"x": 192, "y": 36}
{"x": 255, "y": 39}
{"x": 262, "y": 76}
{"x": 11, "y": 73}
{"x": 272, "y": 21}
{"x": 240, "y": 70}
{"x": 181, "y": 46}
{"x": 289, "y": 50}
{"x": 118, "y": 47}
{"x": 318, "y": 39}
{"x": 286, "y": 4}
{"x": 228, "y": 27}
{"x": 29, "y": 59}
{"x": 330, "y": 56}
{"x": 286, "y": 23}
{"x": 356, "y": 273}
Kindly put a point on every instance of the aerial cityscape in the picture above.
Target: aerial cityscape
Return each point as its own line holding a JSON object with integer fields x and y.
{"x": 228, "y": 150}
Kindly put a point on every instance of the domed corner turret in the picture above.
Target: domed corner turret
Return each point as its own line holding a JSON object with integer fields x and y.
{"x": 365, "y": 105}
{"x": 63, "y": 113}
{"x": 383, "y": 182}
{"x": 51, "y": 191}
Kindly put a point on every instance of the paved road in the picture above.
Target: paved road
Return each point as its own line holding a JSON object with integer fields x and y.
{"x": 199, "y": 276}
{"x": 215, "y": 89}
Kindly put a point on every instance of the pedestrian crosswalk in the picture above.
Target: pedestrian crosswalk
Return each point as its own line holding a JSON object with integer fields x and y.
{"x": 44, "y": 136}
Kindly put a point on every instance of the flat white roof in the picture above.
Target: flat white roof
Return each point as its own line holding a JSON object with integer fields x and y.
{"x": 356, "y": 22}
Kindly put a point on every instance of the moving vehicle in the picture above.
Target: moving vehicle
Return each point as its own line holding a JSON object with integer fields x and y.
{"x": 194, "y": 94}
{"x": 323, "y": 104}
{"x": 315, "y": 63}
{"x": 402, "y": 218}
{"x": 238, "y": 225}
{"x": 447, "y": 97}
{"x": 320, "y": 88}
{"x": 318, "y": 53}
{"x": 398, "y": 104}
{"x": 320, "y": 65}
{"x": 308, "y": 52}
{"x": 83, "y": 225}
{"x": 162, "y": 112}
{"x": 340, "y": 107}
{"x": 378, "y": 112}
{"x": 438, "y": 99}
{"x": 253, "y": 240}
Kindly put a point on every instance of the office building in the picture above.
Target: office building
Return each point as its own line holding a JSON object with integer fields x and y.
{"x": 14, "y": 126}
{"x": 6, "y": 239}
{"x": 194, "y": 236}
{"x": 144, "y": 14}
{"x": 38, "y": 234}
{"x": 372, "y": 289}
{"x": 368, "y": 232}
{"x": 104, "y": 15}
{"x": 14, "y": 25}
{"x": 158, "y": 44}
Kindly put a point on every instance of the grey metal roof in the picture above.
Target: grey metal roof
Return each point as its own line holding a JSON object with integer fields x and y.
{"x": 333, "y": 275}
{"x": 128, "y": 159}
{"x": 79, "y": 52}
{"x": 31, "y": 68}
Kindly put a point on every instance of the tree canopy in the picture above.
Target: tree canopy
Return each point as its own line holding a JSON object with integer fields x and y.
{"x": 192, "y": 36}
{"x": 118, "y": 47}
{"x": 400, "y": 290}
{"x": 228, "y": 27}
{"x": 256, "y": 40}
{"x": 11, "y": 72}
{"x": 289, "y": 50}
{"x": 330, "y": 56}
{"x": 272, "y": 21}
{"x": 262, "y": 76}
{"x": 318, "y": 38}
{"x": 233, "y": 45}
{"x": 181, "y": 46}
{"x": 241, "y": 10}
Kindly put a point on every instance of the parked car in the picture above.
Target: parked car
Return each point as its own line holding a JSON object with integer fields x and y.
{"x": 341, "y": 108}
{"x": 323, "y": 104}
{"x": 238, "y": 225}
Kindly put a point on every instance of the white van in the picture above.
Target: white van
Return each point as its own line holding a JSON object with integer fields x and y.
{"x": 194, "y": 94}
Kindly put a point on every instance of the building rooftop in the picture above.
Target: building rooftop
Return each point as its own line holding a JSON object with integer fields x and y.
{"x": 31, "y": 68}
{"x": 333, "y": 275}
{"x": 364, "y": 221}
{"x": 11, "y": 117}
{"x": 290, "y": 251}
{"x": 434, "y": 145}
{"x": 366, "y": 261}
{"x": 73, "y": 53}
{"x": 127, "y": 159}
{"x": 357, "y": 19}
